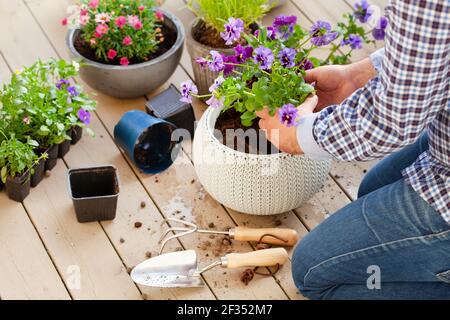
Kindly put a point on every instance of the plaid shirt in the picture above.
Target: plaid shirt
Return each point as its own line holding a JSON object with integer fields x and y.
{"x": 410, "y": 95}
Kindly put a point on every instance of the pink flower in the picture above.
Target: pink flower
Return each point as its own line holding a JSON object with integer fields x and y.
{"x": 132, "y": 20}
{"x": 93, "y": 42}
{"x": 64, "y": 22}
{"x": 124, "y": 61}
{"x": 141, "y": 8}
{"x": 84, "y": 11}
{"x": 101, "y": 30}
{"x": 102, "y": 18}
{"x": 121, "y": 22}
{"x": 159, "y": 15}
{"x": 93, "y": 4}
{"x": 84, "y": 20}
{"x": 97, "y": 35}
{"x": 138, "y": 25}
{"x": 127, "y": 41}
{"x": 112, "y": 54}
{"x": 26, "y": 120}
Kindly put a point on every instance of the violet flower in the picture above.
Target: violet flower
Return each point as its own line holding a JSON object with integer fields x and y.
{"x": 215, "y": 102}
{"x": 229, "y": 64}
{"x": 284, "y": 25}
{"x": 287, "y": 57}
{"x": 288, "y": 115}
{"x": 217, "y": 83}
{"x": 321, "y": 34}
{"x": 217, "y": 63}
{"x": 233, "y": 30}
{"x": 61, "y": 83}
{"x": 84, "y": 116}
{"x": 72, "y": 91}
{"x": 271, "y": 33}
{"x": 354, "y": 41}
{"x": 202, "y": 62}
{"x": 363, "y": 11}
{"x": 306, "y": 65}
{"x": 243, "y": 53}
{"x": 379, "y": 32}
{"x": 187, "y": 89}
{"x": 264, "y": 57}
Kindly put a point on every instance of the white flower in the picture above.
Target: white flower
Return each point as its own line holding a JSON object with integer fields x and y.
{"x": 102, "y": 18}
{"x": 76, "y": 65}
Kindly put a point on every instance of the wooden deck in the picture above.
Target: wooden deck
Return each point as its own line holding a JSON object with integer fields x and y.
{"x": 42, "y": 246}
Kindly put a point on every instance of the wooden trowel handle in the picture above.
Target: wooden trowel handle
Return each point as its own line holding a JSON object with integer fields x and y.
{"x": 261, "y": 258}
{"x": 289, "y": 236}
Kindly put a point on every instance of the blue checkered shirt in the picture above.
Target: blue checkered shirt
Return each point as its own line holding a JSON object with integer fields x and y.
{"x": 410, "y": 95}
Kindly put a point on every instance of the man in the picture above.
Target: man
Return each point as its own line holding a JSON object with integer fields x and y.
{"x": 394, "y": 241}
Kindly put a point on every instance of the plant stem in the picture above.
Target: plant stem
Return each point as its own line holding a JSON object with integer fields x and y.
{"x": 333, "y": 51}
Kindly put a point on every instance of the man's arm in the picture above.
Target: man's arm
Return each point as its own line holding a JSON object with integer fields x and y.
{"x": 394, "y": 108}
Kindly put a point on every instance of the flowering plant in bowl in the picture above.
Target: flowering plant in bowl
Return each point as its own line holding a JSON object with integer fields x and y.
{"x": 269, "y": 71}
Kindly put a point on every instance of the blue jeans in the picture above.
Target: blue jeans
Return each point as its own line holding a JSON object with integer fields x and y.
{"x": 389, "y": 244}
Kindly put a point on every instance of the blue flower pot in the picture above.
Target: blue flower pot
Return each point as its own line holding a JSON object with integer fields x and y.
{"x": 147, "y": 141}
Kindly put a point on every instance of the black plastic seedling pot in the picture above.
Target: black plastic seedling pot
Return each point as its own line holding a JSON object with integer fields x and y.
{"x": 77, "y": 134}
{"x": 64, "y": 147}
{"x": 18, "y": 188}
{"x": 167, "y": 106}
{"x": 94, "y": 192}
{"x": 38, "y": 173}
{"x": 52, "y": 158}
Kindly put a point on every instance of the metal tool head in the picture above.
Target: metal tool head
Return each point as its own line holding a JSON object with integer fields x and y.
{"x": 171, "y": 270}
{"x": 177, "y": 231}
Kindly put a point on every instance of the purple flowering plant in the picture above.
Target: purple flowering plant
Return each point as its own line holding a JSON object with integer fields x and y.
{"x": 43, "y": 102}
{"x": 269, "y": 70}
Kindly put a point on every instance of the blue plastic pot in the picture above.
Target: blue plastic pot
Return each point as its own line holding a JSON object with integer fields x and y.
{"x": 147, "y": 141}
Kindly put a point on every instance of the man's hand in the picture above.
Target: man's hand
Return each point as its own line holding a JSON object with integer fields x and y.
{"x": 336, "y": 83}
{"x": 283, "y": 137}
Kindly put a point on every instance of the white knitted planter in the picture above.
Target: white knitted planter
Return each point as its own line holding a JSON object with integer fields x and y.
{"x": 249, "y": 183}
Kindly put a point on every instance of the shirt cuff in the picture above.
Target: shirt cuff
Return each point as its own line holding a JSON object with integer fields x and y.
{"x": 306, "y": 140}
{"x": 377, "y": 59}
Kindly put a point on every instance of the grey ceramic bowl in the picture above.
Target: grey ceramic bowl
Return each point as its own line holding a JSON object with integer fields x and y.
{"x": 135, "y": 80}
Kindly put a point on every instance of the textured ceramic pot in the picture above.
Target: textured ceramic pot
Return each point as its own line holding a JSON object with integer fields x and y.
{"x": 204, "y": 77}
{"x": 134, "y": 80}
{"x": 253, "y": 184}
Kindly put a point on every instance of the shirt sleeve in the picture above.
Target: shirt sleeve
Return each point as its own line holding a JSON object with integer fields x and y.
{"x": 377, "y": 59}
{"x": 395, "y": 107}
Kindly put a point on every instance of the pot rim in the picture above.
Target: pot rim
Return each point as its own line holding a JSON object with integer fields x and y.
{"x": 209, "y": 113}
{"x": 176, "y": 46}
{"x": 74, "y": 170}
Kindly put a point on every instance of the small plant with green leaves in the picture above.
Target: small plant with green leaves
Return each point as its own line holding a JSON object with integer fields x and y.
{"x": 16, "y": 157}
{"x": 119, "y": 31}
{"x": 214, "y": 13}
{"x": 42, "y": 102}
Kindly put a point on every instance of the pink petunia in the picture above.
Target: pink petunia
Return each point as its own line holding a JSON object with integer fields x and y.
{"x": 121, "y": 22}
{"x": 124, "y": 61}
{"x": 64, "y": 22}
{"x": 159, "y": 15}
{"x": 138, "y": 25}
{"x": 141, "y": 8}
{"x": 127, "y": 41}
{"x": 102, "y": 18}
{"x": 132, "y": 20}
{"x": 84, "y": 20}
{"x": 112, "y": 54}
{"x": 101, "y": 30}
{"x": 93, "y": 4}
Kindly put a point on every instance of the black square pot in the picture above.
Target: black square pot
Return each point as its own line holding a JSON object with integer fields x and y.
{"x": 38, "y": 173}
{"x": 18, "y": 188}
{"x": 52, "y": 159}
{"x": 94, "y": 192}
{"x": 64, "y": 147}
{"x": 77, "y": 134}
{"x": 167, "y": 106}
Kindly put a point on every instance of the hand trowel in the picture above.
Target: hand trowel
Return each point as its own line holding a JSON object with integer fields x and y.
{"x": 180, "y": 269}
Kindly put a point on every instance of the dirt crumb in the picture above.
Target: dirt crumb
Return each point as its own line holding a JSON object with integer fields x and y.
{"x": 143, "y": 204}
{"x": 148, "y": 254}
{"x": 211, "y": 225}
{"x": 138, "y": 225}
{"x": 122, "y": 240}
{"x": 247, "y": 276}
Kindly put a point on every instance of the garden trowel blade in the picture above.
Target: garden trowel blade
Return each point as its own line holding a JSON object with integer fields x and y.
{"x": 171, "y": 270}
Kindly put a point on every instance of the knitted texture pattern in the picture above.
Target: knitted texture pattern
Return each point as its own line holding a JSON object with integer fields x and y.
{"x": 253, "y": 184}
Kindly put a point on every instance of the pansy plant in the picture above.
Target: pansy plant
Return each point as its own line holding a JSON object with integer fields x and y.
{"x": 269, "y": 70}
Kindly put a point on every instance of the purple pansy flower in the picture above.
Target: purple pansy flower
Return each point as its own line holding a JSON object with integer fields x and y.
{"x": 288, "y": 115}
{"x": 229, "y": 63}
{"x": 271, "y": 33}
{"x": 84, "y": 116}
{"x": 233, "y": 30}
{"x": 284, "y": 25}
{"x": 72, "y": 91}
{"x": 363, "y": 11}
{"x": 202, "y": 62}
{"x": 243, "y": 53}
{"x": 306, "y": 65}
{"x": 264, "y": 57}
{"x": 380, "y": 31}
{"x": 217, "y": 83}
{"x": 215, "y": 102}
{"x": 217, "y": 63}
{"x": 187, "y": 89}
{"x": 354, "y": 41}
{"x": 287, "y": 57}
{"x": 321, "y": 34}
{"x": 61, "y": 83}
